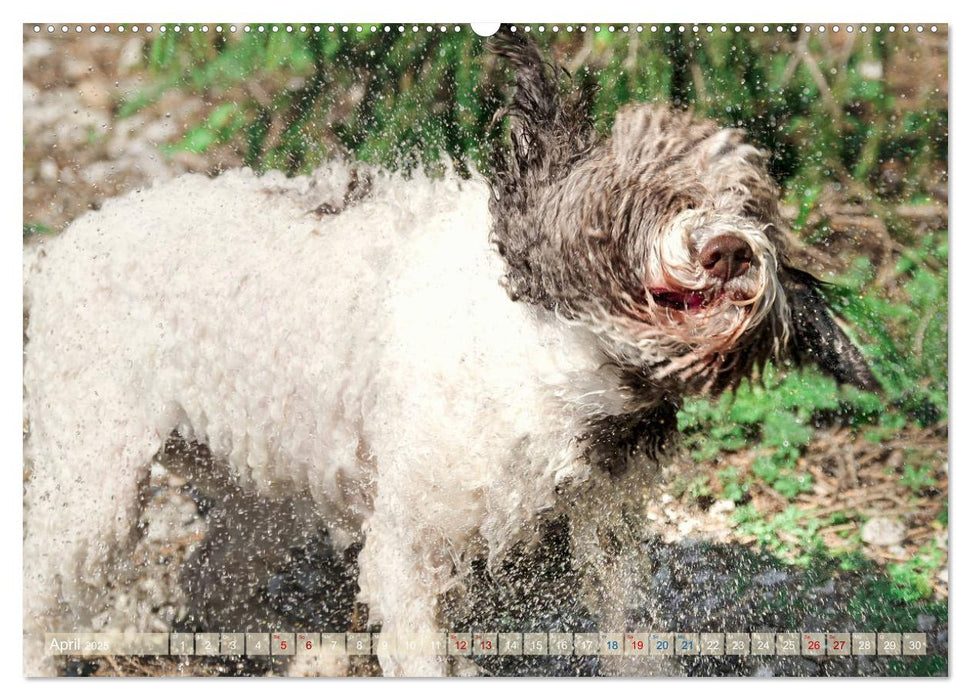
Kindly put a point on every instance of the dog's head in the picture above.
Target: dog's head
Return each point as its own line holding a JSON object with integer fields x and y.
{"x": 664, "y": 237}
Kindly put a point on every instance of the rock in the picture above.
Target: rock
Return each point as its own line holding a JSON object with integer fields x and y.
{"x": 871, "y": 70}
{"x": 96, "y": 94}
{"x": 896, "y": 460}
{"x": 772, "y": 577}
{"x": 131, "y": 54}
{"x": 687, "y": 526}
{"x": 36, "y": 50}
{"x": 48, "y": 169}
{"x": 883, "y": 532}
{"x": 826, "y": 590}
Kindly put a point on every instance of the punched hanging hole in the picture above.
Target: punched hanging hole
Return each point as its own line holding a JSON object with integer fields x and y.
{"x": 485, "y": 28}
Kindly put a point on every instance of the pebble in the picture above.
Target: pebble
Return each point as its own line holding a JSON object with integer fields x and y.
{"x": 95, "y": 94}
{"x": 48, "y": 169}
{"x": 883, "y": 532}
{"x": 772, "y": 577}
{"x": 722, "y": 506}
{"x": 871, "y": 70}
{"x": 687, "y": 526}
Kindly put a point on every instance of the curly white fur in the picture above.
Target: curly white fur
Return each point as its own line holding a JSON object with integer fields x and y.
{"x": 370, "y": 359}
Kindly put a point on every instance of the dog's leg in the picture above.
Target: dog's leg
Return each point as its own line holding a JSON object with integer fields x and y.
{"x": 616, "y": 574}
{"x": 88, "y": 456}
{"x": 625, "y": 581}
{"x": 318, "y": 667}
{"x": 401, "y": 579}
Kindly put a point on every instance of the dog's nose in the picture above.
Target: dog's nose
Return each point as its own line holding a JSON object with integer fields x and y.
{"x": 726, "y": 257}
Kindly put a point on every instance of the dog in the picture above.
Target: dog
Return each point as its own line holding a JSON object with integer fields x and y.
{"x": 439, "y": 366}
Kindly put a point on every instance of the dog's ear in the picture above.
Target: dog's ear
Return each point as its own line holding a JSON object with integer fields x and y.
{"x": 550, "y": 126}
{"x": 817, "y": 338}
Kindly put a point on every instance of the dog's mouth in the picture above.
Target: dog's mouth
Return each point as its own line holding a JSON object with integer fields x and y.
{"x": 687, "y": 299}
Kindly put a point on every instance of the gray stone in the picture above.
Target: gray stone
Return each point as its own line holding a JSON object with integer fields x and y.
{"x": 883, "y": 532}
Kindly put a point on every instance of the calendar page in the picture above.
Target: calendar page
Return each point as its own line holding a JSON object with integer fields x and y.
{"x": 436, "y": 349}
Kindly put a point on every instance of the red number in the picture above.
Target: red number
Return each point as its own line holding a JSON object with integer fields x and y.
{"x": 814, "y": 646}
{"x": 638, "y": 644}
{"x": 283, "y": 645}
{"x": 487, "y": 644}
{"x": 310, "y": 645}
{"x": 461, "y": 644}
{"x": 838, "y": 644}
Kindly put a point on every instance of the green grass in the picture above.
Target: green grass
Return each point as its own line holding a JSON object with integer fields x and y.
{"x": 428, "y": 97}
{"x": 30, "y": 229}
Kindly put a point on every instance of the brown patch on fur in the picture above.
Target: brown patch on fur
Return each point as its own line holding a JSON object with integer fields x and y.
{"x": 358, "y": 190}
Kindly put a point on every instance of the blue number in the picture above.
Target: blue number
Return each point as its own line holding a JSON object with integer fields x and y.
{"x": 686, "y": 644}
{"x": 662, "y": 644}
{"x": 611, "y": 645}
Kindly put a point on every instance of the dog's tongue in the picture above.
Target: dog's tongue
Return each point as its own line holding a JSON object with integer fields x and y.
{"x": 670, "y": 298}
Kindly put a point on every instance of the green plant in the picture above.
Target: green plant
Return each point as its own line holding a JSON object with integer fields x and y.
{"x": 774, "y": 417}
{"x": 30, "y": 229}
{"x": 907, "y": 332}
{"x": 789, "y": 535}
{"x": 733, "y": 488}
{"x": 917, "y": 478}
{"x": 408, "y": 99}
{"x": 912, "y": 578}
